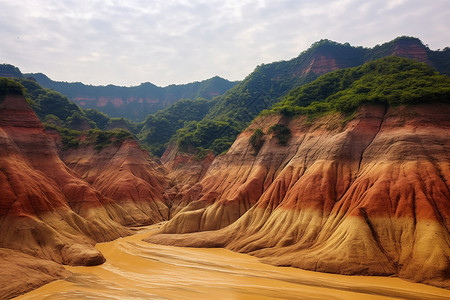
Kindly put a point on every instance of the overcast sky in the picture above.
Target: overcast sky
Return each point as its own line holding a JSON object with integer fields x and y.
{"x": 126, "y": 42}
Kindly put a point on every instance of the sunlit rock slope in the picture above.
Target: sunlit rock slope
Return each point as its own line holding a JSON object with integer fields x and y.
{"x": 365, "y": 196}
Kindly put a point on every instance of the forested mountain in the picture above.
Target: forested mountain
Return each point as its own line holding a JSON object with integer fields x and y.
{"x": 133, "y": 103}
{"x": 213, "y": 124}
{"x": 56, "y": 110}
{"x": 268, "y": 83}
{"x": 158, "y": 129}
{"x": 389, "y": 80}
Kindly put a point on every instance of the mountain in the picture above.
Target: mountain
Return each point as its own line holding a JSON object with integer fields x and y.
{"x": 345, "y": 173}
{"x": 268, "y": 83}
{"x": 7, "y": 70}
{"x": 361, "y": 188}
{"x": 65, "y": 190}
{"x": 133, "y": 103}
{"x": 158, "y": 128}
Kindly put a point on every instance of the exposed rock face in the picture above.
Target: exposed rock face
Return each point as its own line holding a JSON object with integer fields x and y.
{"x": 128, "y": 175}
{"x": 412, "y": 49}
{"x": 184, "y": 172}
{"x": 133, "y": 103}
{"x": 46, "y": 209}
{"x": 20, "y": 273}
{"x": 50, "y": 212}
{"x": 320, "y": 65}
{"x": 371, "y": 197}
{"x": 185, "y": 168}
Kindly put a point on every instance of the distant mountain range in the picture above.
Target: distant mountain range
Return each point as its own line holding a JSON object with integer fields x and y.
{"x": 133, "y": 103}
{"x": 235, "y": 104}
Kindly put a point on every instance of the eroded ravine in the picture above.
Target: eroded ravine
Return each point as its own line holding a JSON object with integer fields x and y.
{"x": 138, "y": 270}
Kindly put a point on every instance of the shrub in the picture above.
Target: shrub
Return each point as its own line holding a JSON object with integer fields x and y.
{"x": 9, "y": 86}
{"x": 257, "y": 140}
{"x": 282, "y": 132}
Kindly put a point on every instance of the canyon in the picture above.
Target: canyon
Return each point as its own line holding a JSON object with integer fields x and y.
{"x": 368, "y": 197}
{"x": 136, "y": 269}
{"x": 329, "y": 189}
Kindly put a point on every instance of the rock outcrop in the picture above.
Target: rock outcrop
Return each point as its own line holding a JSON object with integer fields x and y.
{"x": 49, "y": 212}
{"x": 126, "y": 173}
{"x": 184, "y": 170}
{"x": 367, "y": 197}
{"x": 46, "y": 210}
{"x": 21, "y": 273}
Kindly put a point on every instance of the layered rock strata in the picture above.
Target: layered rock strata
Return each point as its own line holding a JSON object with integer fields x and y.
{"x": 367, "y": 197}
{"x": 47, "y": 211}
{"x": 126, "y": 173}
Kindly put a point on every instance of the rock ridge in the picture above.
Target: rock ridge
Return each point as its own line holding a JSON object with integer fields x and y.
{"x": 369, "y": 196}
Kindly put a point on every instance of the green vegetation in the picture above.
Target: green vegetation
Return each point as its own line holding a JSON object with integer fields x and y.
{"x": 59, "y": 113}
{"x": 55, "y": 108}
{"x": 102, "y": 139}
{"x": 9, "y": 86}
{"x": 159, "y": 128}
{"x": 282, "y": 132}
{"x": 233, "y": 111}
{"x": 99, "y": 138}
{"x": 147, "y": 97}
{"x": 287, "y": 87}
{"x": 100, "y": 119}
{"x": 47, "y": 102}
{"x": 257, "y": 139}
{"x": 79, "y": 121}
{"x": 199, "y": 136}
{"x": 70, "y": 138}
{"x": 390, "y": 80}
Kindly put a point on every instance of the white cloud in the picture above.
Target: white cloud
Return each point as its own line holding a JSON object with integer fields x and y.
{"x": 177, "y": 41}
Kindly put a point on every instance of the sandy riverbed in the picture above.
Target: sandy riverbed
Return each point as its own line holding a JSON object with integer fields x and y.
{"x": 138, "y": 270}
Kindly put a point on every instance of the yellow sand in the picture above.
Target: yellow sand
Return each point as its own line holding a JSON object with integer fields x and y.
{"x": 138, "y": 270}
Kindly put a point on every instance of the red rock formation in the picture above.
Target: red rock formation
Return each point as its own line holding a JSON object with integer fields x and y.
{"x": 127, "y": 174}
{"x": 49, "y": 212}
{"x": 46, "y": 210}
{"x": 370, "y": 198}
{"x": 413, "y": 49}
{"x": 184, "y": 172}
{"x": 321, "y": 64}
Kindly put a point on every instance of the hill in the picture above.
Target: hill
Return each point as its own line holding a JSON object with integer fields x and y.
{"x": 268, "y": 83}
{"x": 133, "y": 103}
{"x": 358, "y": 187}
{"x": 64, "y": 190}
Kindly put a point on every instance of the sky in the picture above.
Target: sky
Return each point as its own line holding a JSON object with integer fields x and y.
{"x": 127, "y": 42}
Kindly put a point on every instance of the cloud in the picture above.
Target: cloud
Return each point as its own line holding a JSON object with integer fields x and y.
{"x": 178, "y": 41}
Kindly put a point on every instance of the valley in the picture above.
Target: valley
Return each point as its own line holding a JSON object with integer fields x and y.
{"x": 138, "y": 270}
{"x": 332, "y": 164}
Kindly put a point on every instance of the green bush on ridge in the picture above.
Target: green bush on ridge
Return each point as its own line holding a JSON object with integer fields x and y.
{"x": 257, "y": 140}
{"x": 391, "y": 80}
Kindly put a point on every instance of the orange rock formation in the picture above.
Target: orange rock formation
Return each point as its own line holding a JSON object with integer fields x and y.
{"x": 49, "y": 212}
{"x": 370, "y": 197}
{"x": 127, "y": 174}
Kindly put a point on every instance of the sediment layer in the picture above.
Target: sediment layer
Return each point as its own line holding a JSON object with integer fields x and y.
{"x": 368, "y": 196}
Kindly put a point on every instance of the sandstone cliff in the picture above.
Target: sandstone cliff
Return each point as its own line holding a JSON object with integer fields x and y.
{"x": 367, "y": 197}
{"x": 127, "y": 174}
{"x": 49, "y": 212}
